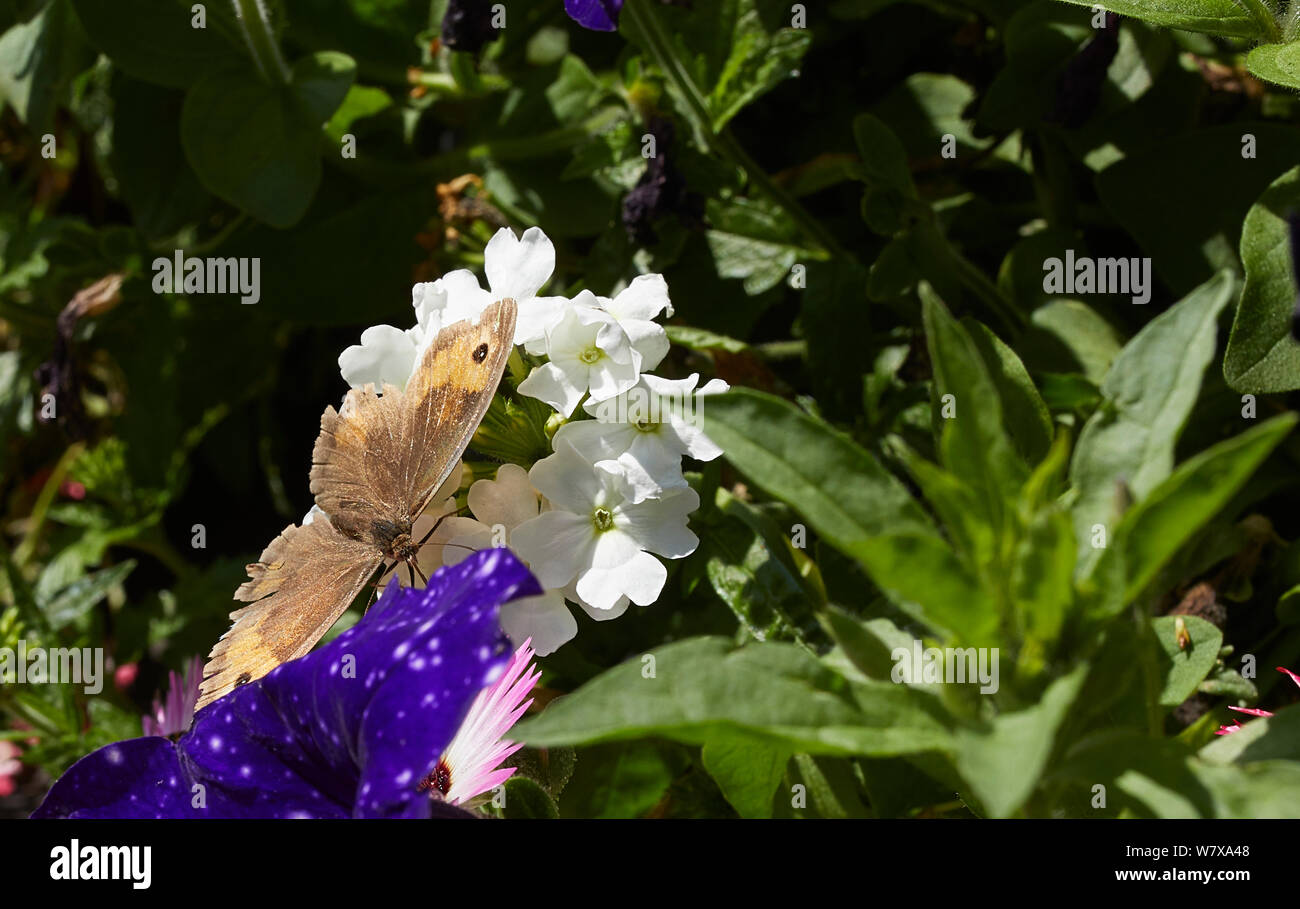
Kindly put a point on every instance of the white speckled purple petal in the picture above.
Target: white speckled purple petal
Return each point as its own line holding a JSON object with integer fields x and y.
{"x": 349, "y": 730}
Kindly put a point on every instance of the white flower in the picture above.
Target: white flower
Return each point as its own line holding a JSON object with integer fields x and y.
{"x": 499, "y": 506}
{"x": 588, "y": 350}
{"x": 597, "y": 537}
{"x": 515, "y": 267}
{"x": 635, "y": 308}
{"x": 647, "y": 429}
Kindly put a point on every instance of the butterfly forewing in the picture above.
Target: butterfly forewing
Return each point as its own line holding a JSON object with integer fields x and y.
{"x": 449, "y": 395}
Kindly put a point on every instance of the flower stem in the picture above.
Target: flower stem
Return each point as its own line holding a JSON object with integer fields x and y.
{"x": 256, "y": 26}
{"x": 645, "y": 19}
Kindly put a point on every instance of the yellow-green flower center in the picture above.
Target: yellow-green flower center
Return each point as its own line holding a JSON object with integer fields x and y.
{"x": 602, "y": 519}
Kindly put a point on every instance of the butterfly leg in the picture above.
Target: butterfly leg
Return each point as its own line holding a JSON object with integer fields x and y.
{"x": 374, "y": 588}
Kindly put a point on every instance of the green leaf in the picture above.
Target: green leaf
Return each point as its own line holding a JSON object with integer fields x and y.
{"x": 525, "y": 800}
{"x": 924, "y": 578}
{"x": 831, "y": 784}
{"x": 1185, "y": 667}
{"x": 38, "y": 58}
{"x": 257, "y": 145}
{"x": 1215, "y": 17}
{"x": 747, "y": 771}
{"x": 1003, "y": 761}
{"x": 1086, "y": 337}
{"x": 884, "y": 160}
{"x": 360, "y": 102}
{"x": 1227, "y": 682}
{"x": 1042, "y": 579}
{"x": 759, "y": 60}
{"x": 1262, "y": 356}
{"x": 841, "y": 489}
{"x": 1028, "y": 421}
{"x": 705, "y": 688}
{"x": 1161, "y": 778}
{"x": 973, "y": 443}
{"x": 81, "y": 596}
{"x": 924, "y": 108}
{"x": 748, "y": 563}
{"x": 157, "y": 41}
{"x": 702, "y": 339}
{"x": 1263, "y": 739}
{"x": 957, "y": 505}
{"x": 619, "y": 780}
{"x": 1149, "y": 393}
{"x": 1173, "y": 512}
{"x": 321, "y": 81}
{"x": 1279, "y": 63}
{"x": 752, "y": 242}
{"x": 734, "y": 51}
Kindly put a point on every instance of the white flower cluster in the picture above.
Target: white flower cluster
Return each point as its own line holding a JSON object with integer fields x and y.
{"x": 590, "y": 518}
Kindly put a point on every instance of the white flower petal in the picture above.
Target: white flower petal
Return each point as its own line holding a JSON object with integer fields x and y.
{"x": 558, "y": 387}
{"x": 555, "y": 544}
{"x": 518, "y": 268}
{"x": 659, "y": 525}
{"x": 429, "y": 299}
{"x": 649, "y": 339}
{"x": 536, "y": 317}
{"x": 690, "y": 438}
{"x": 641, "y": 579}
{"x": 613, "y": 549}
{"x": 607, "y": 379}
{"x": 596, "y": 441}
{"x": 642, "y": 300}
{"x": 509, "y": 500}
{"x": 459, "y": 538}
{"x": 651, "y": 466}
{"x": 465, "y": 298}
{"x": 600, "y": 615}
{"x": 546, "y": 619}
{"x": 567, "y": 480}
{"x": 385, "y": 355}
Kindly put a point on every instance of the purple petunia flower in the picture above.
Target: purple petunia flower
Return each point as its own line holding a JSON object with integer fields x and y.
{"x": 349, "y": 730}
{"x": 597, "y": 15}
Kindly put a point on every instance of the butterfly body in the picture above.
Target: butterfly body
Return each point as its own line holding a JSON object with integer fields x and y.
{"x": 376, "y": 464}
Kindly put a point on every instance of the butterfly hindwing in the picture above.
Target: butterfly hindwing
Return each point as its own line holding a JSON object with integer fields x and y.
{"x": 299, "y": 587}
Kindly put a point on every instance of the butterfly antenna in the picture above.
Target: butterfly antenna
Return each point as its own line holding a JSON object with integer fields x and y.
{"x": 436, "y": 523}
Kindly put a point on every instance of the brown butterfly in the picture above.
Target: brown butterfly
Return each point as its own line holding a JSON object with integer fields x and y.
{"x": 376, "y": 465}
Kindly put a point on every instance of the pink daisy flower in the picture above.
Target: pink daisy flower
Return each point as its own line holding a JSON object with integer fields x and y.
{"x": 172, "y": 715}
{"x": 1253, "y": 711}
{"x": 471, "y": 765}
